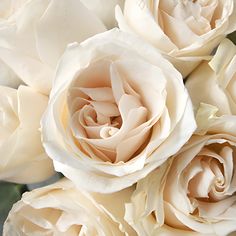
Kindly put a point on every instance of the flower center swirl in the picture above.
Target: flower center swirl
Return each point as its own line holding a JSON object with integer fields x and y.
{"x": 110, "y": 111}
{"x": 197, "y": 17}
{"x": 208, "y": 183}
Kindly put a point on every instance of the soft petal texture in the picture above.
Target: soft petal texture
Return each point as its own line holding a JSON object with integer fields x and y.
{"x": 34, "y": 36}
{"x": 145, "y": 213}
{"x": 8, "y": 77}
{"x": 195, "y": 192}
{"x": 215, "y": 82}
{"x": 185, "y": 31}
{"x": 23, "y": 159}
{"x": 111, "y": 92}
{"x": 61, "y": 209}
{"x": 9, "y": 7}
{"x": 104, "y": 10}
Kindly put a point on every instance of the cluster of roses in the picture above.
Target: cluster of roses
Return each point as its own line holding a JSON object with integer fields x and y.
{"x": 143, "y": 151}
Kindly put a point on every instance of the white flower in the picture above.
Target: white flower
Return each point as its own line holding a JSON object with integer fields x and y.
{"x": 23, "y": 159}
{"x": 105, "y": 10}
{"x": 61, "y": 209}
{"x": 185, "y": 31}
{"x": 117, "y": 111}
{"x": 34, "y": 35}
{"x": 194, "y": 193}
{"x": 215, "y": 82}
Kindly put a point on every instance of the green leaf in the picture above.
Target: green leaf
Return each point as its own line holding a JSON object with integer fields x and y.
{"x": 232, "y": 37}
{"x": 9, "y": 194}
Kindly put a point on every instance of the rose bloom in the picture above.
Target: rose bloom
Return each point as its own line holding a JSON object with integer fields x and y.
{"x": 104, "y": 10}
{"x": 195, "y": 193}
{"x": 185, "y": 31}
{"x": 34, "y": 34}
{"x": 61, "y": 209}
{"x": 23, "y": 159}
{"x": 215, "y": 82}
{"x": 117, "y": 110}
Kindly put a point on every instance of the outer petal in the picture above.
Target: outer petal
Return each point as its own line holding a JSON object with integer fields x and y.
{"x": 60, "y": 209}
{"x": 213, "y": 82}
{"x": 166, "y": 230}
{"x": 26, "y": 162}
{"x": 204, "y": 79}
{"x": 8, "y": 77}
{"x": 148, "y": 196}
{"x": 32, "y": 71}
{"x": 64, "y": 22}
{"x": 138, "y": 17}
{"x": 104, "y": 10}
{"x": 33, "y": 39}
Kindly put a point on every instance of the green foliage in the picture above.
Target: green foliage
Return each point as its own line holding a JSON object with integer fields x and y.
{"x": 9, "y": 194}
{"x": 232, "y": 37}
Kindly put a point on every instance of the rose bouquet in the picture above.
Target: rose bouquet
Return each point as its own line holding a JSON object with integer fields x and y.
{"x": 133, "y": 102}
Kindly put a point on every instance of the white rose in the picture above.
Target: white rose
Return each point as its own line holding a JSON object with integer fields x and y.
{"x": 215, "y": 82}
{"x": 34, "y": 36}
{"x": 23, "y": 159}
{"x": 196, "y": 193}
{"x": 61, "y": 209}
{"x": 105, "y": 10}
{"x": 117, "y": 110}
{"x": 185, "y": 31}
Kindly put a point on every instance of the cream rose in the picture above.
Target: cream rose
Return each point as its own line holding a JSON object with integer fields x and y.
{"x": 34, "y": 34}
{"x": 60, "y": 209}
{"x": 105, "y": 10}
{"x": 185, "y": 31}
{"x": 117, "y": 110}
{"x": 215, "y": 82}
{"x": 195, "y": 193}
{"x": 23, "y": 159}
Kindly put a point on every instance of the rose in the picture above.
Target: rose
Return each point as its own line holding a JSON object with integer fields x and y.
{"x": 204, "y": 175}
{"x": 23, "y": 159}
{"x": 214, "y": 82}
{"x": 60, "y": 209}
{"x": 117, "y": 110}
{"x": 34, "y": 35}
{"x": 185, "y": 31}
{"x": 105, "y": 10}
{"x": 195, "y": 193}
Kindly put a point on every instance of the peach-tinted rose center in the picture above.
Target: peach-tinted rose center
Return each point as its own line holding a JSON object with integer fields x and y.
{"x": 195, "y": 18}
{"x": 108, "y": 113}
{"x": 206, "y": 186}
{"x": 211, "y": 177}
